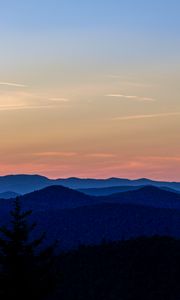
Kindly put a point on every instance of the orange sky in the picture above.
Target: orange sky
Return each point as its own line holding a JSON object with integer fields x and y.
{"x": 92, "y": 135}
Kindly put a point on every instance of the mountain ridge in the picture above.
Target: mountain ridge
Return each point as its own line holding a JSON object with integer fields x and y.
{"x": 24, "y": 183}
{"x": 74, "y": 218}
{"x": 61, "y": 197}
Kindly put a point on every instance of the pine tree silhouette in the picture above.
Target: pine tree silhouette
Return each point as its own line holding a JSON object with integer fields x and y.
{"x": 26, "y": 272}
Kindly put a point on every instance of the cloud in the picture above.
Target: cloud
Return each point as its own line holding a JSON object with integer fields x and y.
{"x": 55, "y": 154}
{"x": 13, "y": 84}
{"x": 101, "y": 155}
{"x": 130, "y": 97}
{"x": 24, "y": 107}
{"x": 26, "y": 100}
{"x": 163, "y": 158}
{"x": 59, "y": 99}
{"x": 138, "y": 117}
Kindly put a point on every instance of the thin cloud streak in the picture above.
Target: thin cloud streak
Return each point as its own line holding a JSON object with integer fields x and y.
{"x": 59, "y": 99}
{"x": 55, "y": 154}
{"x": 131, "y": 97}
{"x": 25, "y": 107}
{"x": 13, "y": 84}
{"x": 101, "y": 155}
{"x": 30, "y": 101}
{"x": 163, "y": 158}
{"x": 138, "y": 117}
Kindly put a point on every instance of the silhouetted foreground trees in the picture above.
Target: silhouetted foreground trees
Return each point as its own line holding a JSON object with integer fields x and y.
{"x": 25, "y": 273}
{"x": 143, "y": 268}
{"x": 140, "y": 269}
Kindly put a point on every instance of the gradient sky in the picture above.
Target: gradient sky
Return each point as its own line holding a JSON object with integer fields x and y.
{"x": 90, "y": 88}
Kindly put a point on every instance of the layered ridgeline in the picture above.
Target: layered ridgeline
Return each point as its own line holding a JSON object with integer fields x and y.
{"x": 23, "y": 184}
{"x": 75, "y": 218}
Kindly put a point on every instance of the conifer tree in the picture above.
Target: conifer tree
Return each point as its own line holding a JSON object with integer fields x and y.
{"x": 26, "y": 272}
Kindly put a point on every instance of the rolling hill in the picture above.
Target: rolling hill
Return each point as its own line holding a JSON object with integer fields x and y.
{"x": 61, "y": 197}
{"x": 56, "y": 197}
{"x": 75, "y": 218}
{"x": 118, "y": 189}
{"x": 147, "y": 196}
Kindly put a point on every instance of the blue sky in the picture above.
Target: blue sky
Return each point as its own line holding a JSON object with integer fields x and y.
{"x": 158, "y": 15}
{"x": 133, "y": 28}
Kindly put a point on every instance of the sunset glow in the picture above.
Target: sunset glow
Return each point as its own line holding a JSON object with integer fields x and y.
{"x": 95, "y": 93}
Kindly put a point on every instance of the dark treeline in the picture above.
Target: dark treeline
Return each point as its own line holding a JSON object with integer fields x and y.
{"x": 143, "y": 268}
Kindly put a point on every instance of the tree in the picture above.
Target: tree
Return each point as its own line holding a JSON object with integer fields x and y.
{"x": 27, "y": 270}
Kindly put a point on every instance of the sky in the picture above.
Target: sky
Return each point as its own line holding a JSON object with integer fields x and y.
{"x": 90, "y": 88}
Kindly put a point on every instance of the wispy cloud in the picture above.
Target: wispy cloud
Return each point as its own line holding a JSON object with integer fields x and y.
{"x": 12, "y": 107}
{"x": 131, "y": 97}
{"x": 137, "y": 117}
{"x": 24, "y": 107}
{"x": 27, "y": 100}
{"x": 162, "y": 158}
{"x": 13, "y": 84}
{"x": 59, "y": 99}
{"x": 55, "y": 154}
{"x": 101, "y": 155}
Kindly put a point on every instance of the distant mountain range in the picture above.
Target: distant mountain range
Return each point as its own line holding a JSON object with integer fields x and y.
{"x": 59, "y": 197}
{"x": 75, "y": 218}
{"x": 117, "y": 189}
{"x": 147, "y": 196}
{"x": 109, "y": 190}
{"x": 8, "y": 195}
{"x": 22, "y": 184}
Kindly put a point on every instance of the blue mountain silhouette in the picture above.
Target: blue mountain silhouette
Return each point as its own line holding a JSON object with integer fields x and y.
{"x": 75, "y": 218}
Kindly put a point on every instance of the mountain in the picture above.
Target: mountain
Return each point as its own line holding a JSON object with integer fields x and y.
{"x": 23, "y": 184}
{"x": 118, "y": 189}
{"x": 146, "y": 196}
{"x": 56, "y": 197}
{"x": 60, "y": 197}
{"x": 111, "y": 222}
{"x": 8, "y": 195}
{"x": 75, "y": 218}
{"x": 109, "y": 190}
{"x": 80, "y": 183}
